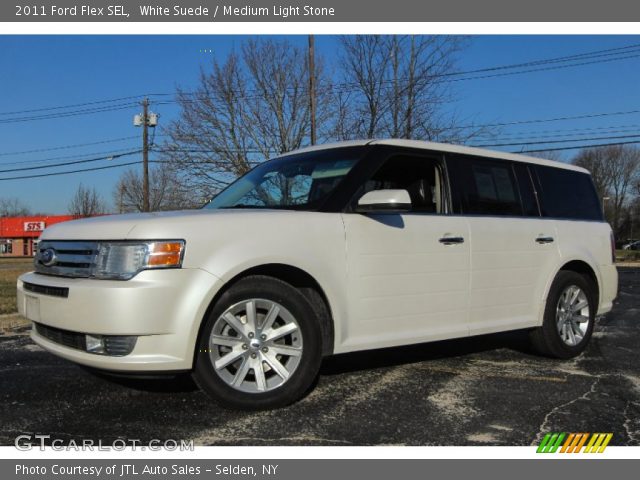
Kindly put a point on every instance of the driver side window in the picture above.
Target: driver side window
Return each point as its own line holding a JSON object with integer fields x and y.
{"x": 420, "y": 176}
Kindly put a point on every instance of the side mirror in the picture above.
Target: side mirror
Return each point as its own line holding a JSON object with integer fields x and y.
{"x": 384, "y": 201}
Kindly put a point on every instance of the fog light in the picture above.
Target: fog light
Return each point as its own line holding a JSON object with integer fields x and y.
{"x": 94, "y": 344}
{"x": 119, "y": 346}
{"x": 112, "y": 345}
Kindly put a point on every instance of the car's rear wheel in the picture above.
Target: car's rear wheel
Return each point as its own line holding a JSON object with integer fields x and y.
{"x": 569, "y": 317}
{"x": 260, "y": 346}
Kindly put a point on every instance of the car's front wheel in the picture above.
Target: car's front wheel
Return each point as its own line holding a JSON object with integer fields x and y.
{"x": 260, "y": 346}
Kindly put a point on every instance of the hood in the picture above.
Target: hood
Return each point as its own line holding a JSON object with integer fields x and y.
{"x": 140, "y": 226}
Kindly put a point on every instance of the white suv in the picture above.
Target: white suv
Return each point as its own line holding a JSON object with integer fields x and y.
{"x": 326, "y": 250}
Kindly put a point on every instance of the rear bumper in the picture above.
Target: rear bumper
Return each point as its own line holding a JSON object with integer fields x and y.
{"x": 608, "y": 288}
{"x": 163, "y": 308}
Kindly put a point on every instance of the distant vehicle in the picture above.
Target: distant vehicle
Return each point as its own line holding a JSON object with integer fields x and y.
{"x": 632, "y": 246}
{"x": 326, "y": 250}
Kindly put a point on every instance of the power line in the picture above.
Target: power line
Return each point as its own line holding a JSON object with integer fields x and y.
{"x": 552, "y": 119}
{"x": 519, "y": 72}
{"x": 531, "y": 138}
{"x": 66, "y": 147}
{"x": 344, "y": 87}
{"x": 556, "y": 149}
{"x": 591, "y": 54}
{"x": 92, "y": 169}
{"x": 555, "y": 141}
{"x": 494, "y": 75}
{"x": 557, "y": 132}
{"x": 68, "y": 172}
{"x": 50, "y": 116}
{"x": 220, "y": 150}
{"x": 106, "y": 153}
{"x": 62, "y": 107}
{"x": 542, "y": 120}
{"x": 76, "y": 162}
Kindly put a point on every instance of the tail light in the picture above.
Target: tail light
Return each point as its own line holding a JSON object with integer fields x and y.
{"x": 613, "y": 249}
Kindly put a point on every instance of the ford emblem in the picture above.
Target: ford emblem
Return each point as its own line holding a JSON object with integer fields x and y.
{"x": 48, "y": 257}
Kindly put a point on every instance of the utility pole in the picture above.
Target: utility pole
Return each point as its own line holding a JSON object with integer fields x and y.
{"x": 121, "y": 198}
{"x": 604, "y": 206}
{"x": 145, "y": 120}
{"x": 312, "y": 88}
{"x": 145, "y": 155}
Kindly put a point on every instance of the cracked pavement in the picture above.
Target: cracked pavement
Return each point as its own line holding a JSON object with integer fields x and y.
{"x": 488, "y": 390}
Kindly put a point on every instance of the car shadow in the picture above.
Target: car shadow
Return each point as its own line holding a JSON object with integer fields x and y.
{"x": 164, "y": 383}
{"x": 395, "y": 356}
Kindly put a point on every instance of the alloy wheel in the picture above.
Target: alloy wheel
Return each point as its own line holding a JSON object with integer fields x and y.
{"x": 255, "y": 345}
{"x": 572, "y": 315}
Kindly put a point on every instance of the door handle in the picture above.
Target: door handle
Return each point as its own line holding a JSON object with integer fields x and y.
{"x": 451, "y": 240}
{"x": 543, "y": 240}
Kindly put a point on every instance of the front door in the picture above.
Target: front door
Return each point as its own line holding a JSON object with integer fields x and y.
{"x": 408, "y": 274}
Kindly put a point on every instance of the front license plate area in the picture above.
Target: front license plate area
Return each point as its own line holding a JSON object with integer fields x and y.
{"x": 32, "y": 308}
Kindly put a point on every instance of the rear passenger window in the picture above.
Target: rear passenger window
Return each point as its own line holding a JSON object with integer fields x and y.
{"x": 527, "y": 192}
{"x": 486, "y": 187}
{"x": 567, "y": 194}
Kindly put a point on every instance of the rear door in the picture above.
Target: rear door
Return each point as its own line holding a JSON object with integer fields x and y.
{"x": 408, "y": 274}
{"x": 513, "y": 250}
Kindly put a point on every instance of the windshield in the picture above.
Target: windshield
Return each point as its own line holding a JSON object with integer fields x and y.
{"x": 296, "y": 182}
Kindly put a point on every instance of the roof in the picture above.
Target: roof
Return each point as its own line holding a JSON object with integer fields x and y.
{"x": 446, "y": 147}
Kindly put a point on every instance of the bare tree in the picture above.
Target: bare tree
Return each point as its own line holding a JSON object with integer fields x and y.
{"x": 552, "y": 155}
{"x": 614, "y": 169}
{"x": 209, "y": 144}
{"x": 625, "y": 171}
{"x": 165, "y": 192}
{"x": 251, "y": 107}
{"x": 398, "y": 88}
{"x": 365, "y": 64}
{"x": 255, "y": 103}
{"x": 13, "y": 207}
{"x": 596, "y": 161}
{"x": 86, "y": 202}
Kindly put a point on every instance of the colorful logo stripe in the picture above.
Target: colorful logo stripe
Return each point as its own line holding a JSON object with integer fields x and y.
{"x": 574, "y": 442}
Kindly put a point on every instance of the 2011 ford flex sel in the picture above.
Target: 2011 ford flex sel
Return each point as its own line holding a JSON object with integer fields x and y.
{"x": 327, "y": 250}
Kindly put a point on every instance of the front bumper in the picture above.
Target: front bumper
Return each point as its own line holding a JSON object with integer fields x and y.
{"x": 163, "y": 308}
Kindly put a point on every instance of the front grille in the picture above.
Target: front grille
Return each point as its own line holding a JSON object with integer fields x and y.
{"x": 47, "y": 290}
{"x": 66, "y": 259}
{"x": 63, "y": 337}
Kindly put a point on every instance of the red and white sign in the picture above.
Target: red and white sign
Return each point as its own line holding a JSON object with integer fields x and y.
{"x": 33, "y": 226}
{"x": 29, "y": 227}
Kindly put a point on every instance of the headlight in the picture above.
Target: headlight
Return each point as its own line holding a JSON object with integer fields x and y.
{"x": 123, "y": 260}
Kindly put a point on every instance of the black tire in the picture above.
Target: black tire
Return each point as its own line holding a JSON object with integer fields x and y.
{"x": 546, "y": 339}
{"x": 304, "y": 375}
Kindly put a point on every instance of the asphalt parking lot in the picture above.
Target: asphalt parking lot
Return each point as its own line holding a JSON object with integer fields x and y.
{"x": 486, "y": 390}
